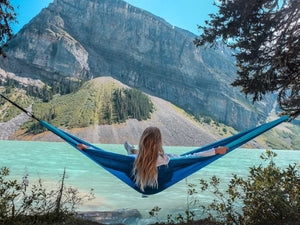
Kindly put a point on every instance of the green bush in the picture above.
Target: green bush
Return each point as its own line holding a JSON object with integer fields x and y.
{"x": 269, "y": 195}
{"x": 207, "y": 120}
{"x": 188, "y": 217}
{"x": 9, "y": 112}
{"x": 18, "y": 205}
{"x": 91, "y": 106}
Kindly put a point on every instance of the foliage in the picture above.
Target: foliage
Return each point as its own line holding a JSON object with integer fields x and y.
{"x": 92, "y": 105}
{"x": 9, "y": 111}
{"x": 219, "y": 127}
{"x": 61, "y": 86}
{"x": 131, "y": 103}
{"x": 154, "y": 212}
{"x": 269, "y": 195}
{"x": 15, "y": 91}
{"x": 18, "y": 205}
{"x": 188, "y": 216}
{"x": 7, "y": 18}
{"x": 288, "y": 138}
{"x": 265, "y": 38}
{"x": 10, "y": 85}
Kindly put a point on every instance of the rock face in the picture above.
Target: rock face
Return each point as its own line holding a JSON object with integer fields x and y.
{"x": 92, "y": 38}
{"x": 121, "y": 216}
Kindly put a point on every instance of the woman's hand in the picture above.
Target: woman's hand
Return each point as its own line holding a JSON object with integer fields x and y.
{"x": 82, "y": 146}
{"x": 221, "y": 150}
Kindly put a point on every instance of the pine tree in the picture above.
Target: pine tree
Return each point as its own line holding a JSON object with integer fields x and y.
{"x": 265, "y": 36}
{"x": 8, "y": 16}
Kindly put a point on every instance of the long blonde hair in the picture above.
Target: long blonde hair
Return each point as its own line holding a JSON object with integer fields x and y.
{"x": 145, "y": 169}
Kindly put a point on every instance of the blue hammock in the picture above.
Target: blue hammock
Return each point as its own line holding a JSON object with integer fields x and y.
{"x": 177, "y": 169}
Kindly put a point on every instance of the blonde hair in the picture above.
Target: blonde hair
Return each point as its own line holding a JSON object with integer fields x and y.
{"x": 145, "y": 169}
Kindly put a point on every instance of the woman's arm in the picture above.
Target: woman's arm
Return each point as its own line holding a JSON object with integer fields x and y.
{"x": 214, "y": 151}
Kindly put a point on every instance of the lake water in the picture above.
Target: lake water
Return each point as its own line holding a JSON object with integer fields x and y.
{"x": 47, "y": 160}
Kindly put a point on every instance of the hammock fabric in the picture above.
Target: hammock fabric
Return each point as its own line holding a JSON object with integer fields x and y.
{"x": 177, "y": 169}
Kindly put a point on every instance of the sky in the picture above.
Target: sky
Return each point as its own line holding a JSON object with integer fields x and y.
{"x": 186, "y": 14}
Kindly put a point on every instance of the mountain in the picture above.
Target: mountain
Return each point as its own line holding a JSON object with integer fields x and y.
{"x": 93, "y": 38}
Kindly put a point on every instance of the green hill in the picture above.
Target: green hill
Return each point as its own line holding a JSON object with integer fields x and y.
{"x": 7, "y": 110}
{"x": 95, "y": 103}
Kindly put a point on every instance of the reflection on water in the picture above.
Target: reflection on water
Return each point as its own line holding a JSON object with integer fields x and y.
{"x": 47, "y": 160}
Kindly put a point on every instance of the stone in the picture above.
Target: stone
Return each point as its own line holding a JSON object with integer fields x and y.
{"x": 120, "y": 216}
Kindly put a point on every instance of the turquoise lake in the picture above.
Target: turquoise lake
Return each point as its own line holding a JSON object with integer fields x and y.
{"x": 47, "y": 160}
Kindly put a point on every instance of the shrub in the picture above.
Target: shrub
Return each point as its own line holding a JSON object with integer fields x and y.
{"x": 207, "y": 120}
{"x": 18, "y": 205}
{"x": 188, "y": 216}
{"x": 269, "y": 195}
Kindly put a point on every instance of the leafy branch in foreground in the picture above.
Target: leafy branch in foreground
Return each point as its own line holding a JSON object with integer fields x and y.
{"x": 18, "y": 205}
{"x": 188, "y": 217}
{"x": 8, "y": 16}
{"x": 269, "y": 195}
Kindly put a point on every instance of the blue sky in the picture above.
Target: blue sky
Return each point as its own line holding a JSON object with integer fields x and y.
{"x": 185, "y": 14}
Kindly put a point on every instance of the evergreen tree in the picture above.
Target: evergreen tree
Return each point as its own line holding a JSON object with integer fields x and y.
{"x": 131, "y": 103}
{"x": 265, "y": 36}
{"x": 7, "y": 17}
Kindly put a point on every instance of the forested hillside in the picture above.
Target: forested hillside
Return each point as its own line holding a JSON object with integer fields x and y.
{"x": 92, "y": 104}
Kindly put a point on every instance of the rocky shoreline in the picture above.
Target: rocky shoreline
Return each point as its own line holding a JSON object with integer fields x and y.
{"x": 120, "y": 216}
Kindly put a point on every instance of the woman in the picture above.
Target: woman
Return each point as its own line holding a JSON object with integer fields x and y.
{"x": 151, "y": 155}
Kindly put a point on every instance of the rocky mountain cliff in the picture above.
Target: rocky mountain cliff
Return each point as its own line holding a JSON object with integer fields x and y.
{"x": 91, "y": 38}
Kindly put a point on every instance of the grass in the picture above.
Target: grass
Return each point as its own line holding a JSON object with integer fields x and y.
{"x": 92, "y": 104}
{"x": 289, "y": 138}
{"x": 7, "y": 110}
{"x": 79, "y": 109}
{"x": 208, "y": 123}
